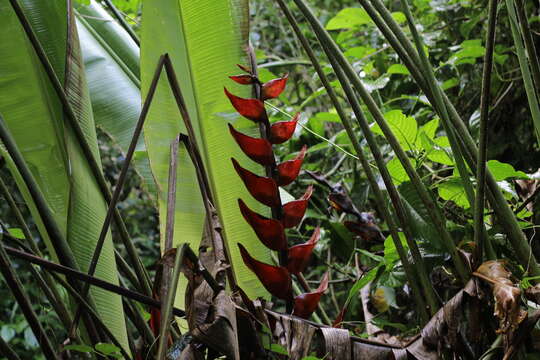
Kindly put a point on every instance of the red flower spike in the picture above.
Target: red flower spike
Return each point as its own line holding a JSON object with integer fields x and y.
{"x": 288, "y": 170}
{"x": 294, "y": 211}
{"x": 275, "y": 279}
{"x": 252, "y": 109}
{"x": 261, "y": 188}
{"x": 273, "y": 88}
{"x": 305, "y": 304}
{"x": 258, "y": 150}
{"x": 269, "y": 231}
{"x": 298, "y": 256}
{"x": 243, "y": 79}
{"x": 282, "y": 131}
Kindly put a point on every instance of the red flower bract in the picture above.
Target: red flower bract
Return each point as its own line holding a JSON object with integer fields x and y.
{"x": 252, "y": 109}
{"x": 243, "y": 79}
{"x": 282, "y": 131}
{"x": 289, "y": 170}
{"x": 275, "y": 279}
{"x": 368, "y": 231}
{"x": 261, "y": 188}
{"x": 269, "y": 231}
{"x": 258, "y": 150}
{"x": 273, "y": 88}
{"x": 305, "y": 304}
{"x": 298, "y": 256}
{"x": 294, "y": 211}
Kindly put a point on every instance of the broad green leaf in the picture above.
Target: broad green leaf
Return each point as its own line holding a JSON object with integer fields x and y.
{"x": 502, "y": 171}
{"x": 79, "y": 348}
{"x": 450, "y": 83}
{"x": 205, "y": 40}
{"x": 398, "y": 69}
{"x": 35, "y": 118}
{"x": 363, "y": 281}
{"x": 106, "y": 349}
{"x": 397, "y": 171}
{"x": 359, "y": 52}
{"x": 111, "y": 60}
{"x": 453, "y": 190}
{"x": 349, "y": 18}
{"x": 327, "y": 116}
{"x": 16, "y": 232}
{"x": 390, "y": 252}
{"x": 404, "y": 128}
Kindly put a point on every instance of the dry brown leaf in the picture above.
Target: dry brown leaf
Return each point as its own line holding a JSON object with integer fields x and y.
{"x": 507, "y": 296}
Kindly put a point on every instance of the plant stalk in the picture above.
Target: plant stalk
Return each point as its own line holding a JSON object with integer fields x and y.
{"x": 485, "y": 99}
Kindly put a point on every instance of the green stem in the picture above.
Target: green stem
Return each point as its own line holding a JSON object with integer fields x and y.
{"x": 439, "y": 104}
{"x": 17, "y": 289}
{"x": 485, "y": 99}
{"x": 433, "y": 209}
{"x": 379, "y": 197}
{"x": 524, "y": 64}
{"x": 529, "y": 43}
{"x": 500, "y": 205}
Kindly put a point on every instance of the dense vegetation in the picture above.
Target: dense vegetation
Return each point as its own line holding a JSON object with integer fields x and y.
{"x": 394, "y": 256}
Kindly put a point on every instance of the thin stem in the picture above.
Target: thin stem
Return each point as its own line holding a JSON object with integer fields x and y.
{"x": 166, "y": 308}
{"x": 78, "y": 275}
{"x": 379, "y": 198}
{"x": 88, "y": 309}
{"x": 44, "y": 280}
{"x": 17, "y": 289}
{"x": 123, "y": 22}
{"x": 431, "y": 205}
{"x": 524, "y": 65}
{"x": 439, "y": 104}
{"x": 529, "y": 43}
{"x": 485, "y": 99}
{"x": 7, "y": 351}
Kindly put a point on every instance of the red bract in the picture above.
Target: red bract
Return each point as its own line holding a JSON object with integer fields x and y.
{"x": 243, "y": 79}
{"x": 282, "y": 131}
{"x": 299, "y": 255}
{"x": 275, "y": 279}
{"x": 269, "y": 231}
{"x": 305, "y": 304}
{"x": 294, "y": 211}
{"x": 261, "y": 188}
{"x": 258, "y": 150}
{"x": 273, "y": 88}
{"x": 288, "y": 170}
{"x": 253, "y": 109}
{"x": 244, "y": 68}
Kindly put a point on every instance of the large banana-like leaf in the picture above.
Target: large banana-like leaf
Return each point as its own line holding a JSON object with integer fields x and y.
{"x": 35, "y": 118}
{"x": 205, "y": 40}
{"x": 111, "y": 60}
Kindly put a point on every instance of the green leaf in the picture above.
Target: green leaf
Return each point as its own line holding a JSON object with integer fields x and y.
{"x": 398, "y": 69}
{"x": 111, "y": 60}
{"x": 453, "y": 190}
{"x": 450, "y": 83}
{"x": 278, "y": 349}
{"x": 106, "y": 349}
{"x": 360, "y": 283}
{"x": 205, "y": 39}
{"x": 370, "y": 255}
{"x": 327, "y": 116}
{"x": 390, "y": 252}
{"x": 359, "y": 52}
{"x": 502, "y": 171}
{"x": 404, "y": 128}
{"x": 348, "y": 18}
{"x": 79, "y": 348}
{"x": 397, "y": 171}
{"x": 399, "y": 17}
{"x": 16, "y": 232}
{"x": 34, "y": 115}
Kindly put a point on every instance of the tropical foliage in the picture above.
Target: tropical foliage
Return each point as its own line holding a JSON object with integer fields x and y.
{"x": 413, "y": 125}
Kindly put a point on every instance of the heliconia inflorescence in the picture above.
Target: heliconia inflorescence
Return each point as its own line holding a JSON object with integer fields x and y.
{"x": 271, "y": 231}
